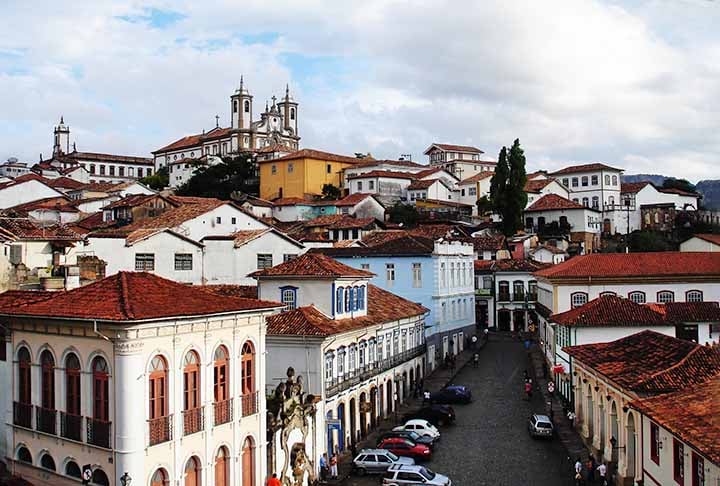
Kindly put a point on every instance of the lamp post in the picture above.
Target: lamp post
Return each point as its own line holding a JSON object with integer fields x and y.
{"x": 125, "y": 479}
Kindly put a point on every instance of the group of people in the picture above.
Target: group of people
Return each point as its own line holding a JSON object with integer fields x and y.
{"x": 590, "y": 472}
{"x": 328, "y": 468}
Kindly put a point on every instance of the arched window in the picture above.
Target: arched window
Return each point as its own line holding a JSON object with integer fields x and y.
{"x": 221, "y": 386}
{"x": 339, "y": 300}
{"x": 584, "y": 181}
{"x": 248, "y": 462}
{"x": 160, "y": 478}
{"x": 504, "y": 290}
{"x": 72, "y": 384}
{"x": 637, "y": 297}
{"x": 235, "y": 106}
{"x": 348, "y": 299}
{"x": 249, "y": 404}
{"x": 192, "y": 472}
{"x": 607, "y": 180}
{"x": 73, "y": 470}
{"x": 694, "y": 296}
{"x": 578, "y": 298}
{"x": 222, "y": 475}
{"x": 47, "y": 462}
{"x": 665, "y": 296}
{"x": 23, "y": 455}
{"x": 606, "y": 293}
{"x": 101, "y": 389}
{"x": 292, "y": 113}
{"x": 24, "y": 376}
{"x": 614, "y": 180}
{"x": 47, "y": 363}
{"x": 361, "y": 298}
{"x": 247, "y": 106}
{"x": 99, "y": 478}
{"x": 158, "y": 393}
{"x": 585, "y": 202}
{"x": 192, "y": 412}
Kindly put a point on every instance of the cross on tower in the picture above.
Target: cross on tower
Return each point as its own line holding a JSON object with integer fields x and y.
{"x": 274, "y": 98}
{"x": 217, "y": 121}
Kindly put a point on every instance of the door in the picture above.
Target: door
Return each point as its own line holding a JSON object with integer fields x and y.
{"x": 221, "y": 468}
{"x": 504, "y": 320}
{"x": 248, "y": 463}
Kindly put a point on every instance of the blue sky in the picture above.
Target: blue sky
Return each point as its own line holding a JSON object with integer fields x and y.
{"x": 629, "y": 83}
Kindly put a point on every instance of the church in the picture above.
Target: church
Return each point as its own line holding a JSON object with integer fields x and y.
{"x": 277, "y": 127}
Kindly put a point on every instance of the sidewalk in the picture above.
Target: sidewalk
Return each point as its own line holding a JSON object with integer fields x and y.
{"x": 437, "y": 380}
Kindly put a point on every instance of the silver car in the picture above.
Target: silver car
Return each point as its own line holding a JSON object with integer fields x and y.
{"x": 370, "y": 461}
{"x": 400, "y": 474}
{"x": 540, "y": 426}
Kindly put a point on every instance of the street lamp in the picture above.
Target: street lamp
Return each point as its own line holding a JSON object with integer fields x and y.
{"x": 125, "y": 479}
{"x": 613, "y": 443}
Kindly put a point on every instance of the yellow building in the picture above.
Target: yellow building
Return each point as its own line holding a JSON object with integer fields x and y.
{"x": 302, "y": 173}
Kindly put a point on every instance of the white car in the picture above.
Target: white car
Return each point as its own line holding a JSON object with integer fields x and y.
{"x": 422, "y": 427}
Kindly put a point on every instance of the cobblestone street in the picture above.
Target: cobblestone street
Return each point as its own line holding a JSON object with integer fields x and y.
{"x": 489, "y": 443}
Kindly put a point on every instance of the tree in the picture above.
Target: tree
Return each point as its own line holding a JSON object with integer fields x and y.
{"x": 404, "y": 214}
{"x": 682, "y": 184}
{"x": 640, "y": 241}
{"x": 329, "y": 191}
{"x": 507, "y": 188}
{"x": 499, "y": 180}
{"x": 484, "y": 206}
{"x": 235, "y": 174}
{"x": 157, "y": 181}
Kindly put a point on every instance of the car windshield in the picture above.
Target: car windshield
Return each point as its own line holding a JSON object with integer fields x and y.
{"x": 393, "y": 457}
{"x": 427, "y": 473}
{"x": 544, "y": 425}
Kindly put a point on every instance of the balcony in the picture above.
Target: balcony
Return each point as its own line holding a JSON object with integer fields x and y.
{"x": 160, "y": 429}
{"x": 22, "y": 414}
{"x": 484, "y": 292}
{"x": 193, "y": 420}
{"x": 46, "y": 420}
{"x": 350, "y": 379}
{"x": 249, "y": 404}
{"x": 223, "y": 412}
{"x": 71, "y": 426}
{"x": 98, "y": 432}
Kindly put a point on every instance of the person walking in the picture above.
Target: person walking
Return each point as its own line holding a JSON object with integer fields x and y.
{"x": 274, "y": 481}
{"x": 323, "y": 467}
{"x": 578, "y": 472}
{"x": 333, "y": 467}
{"x": 476, "y": 360}
{"x": 426, "y": 397}
{"x": 602, "y": 470}
{"x": 528, "y": 390}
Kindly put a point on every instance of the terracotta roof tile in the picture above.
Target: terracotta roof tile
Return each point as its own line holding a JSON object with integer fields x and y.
{"x": 690, "y": 414}
{"x": 537, "y": 185}
{"x": 636, "y": 265}
{"x": 353, "y": 199}
{"x": 584, "y": 168}
{"x": 379, "y": 237}
{"x": 550, "y": 202}
{"x": 312, "y": 265}
{"x": 477, "y": 177}
{"x": 290, "y": 201}
{"x": 633, "y": 187}
{"x": 384, "y": 173}
{"x": 428, "y": 172}
{"x": 134, "y": 200}
{"x": 509, "y": 265}
{"x": 351, "y": 222}
{"x": 397, "y": 163}
{"x": 322, "y": 221}
{"x": 229, "y": 290}
{"x": 457, "y": 148}
{"x": 650, "y": 362}
{"x": 27, "y": 229}
{"x": 128, "y": 159}
{"x": 64, "y": 183}
{"x": 685, "y": 312}
{"x": 59, "y": 203}
{"x": 440, "y": 230}
{"x": 451, "y": 204}
{"x": 680, "y": 192}
{"x": 418, "y": 185}
{"x": 383, "y": 307}
{"x": 315, "y": 154}
{"x": 405, "y": 245}
{"x": 610, "y": 311}
{"x": 131, "y": 296}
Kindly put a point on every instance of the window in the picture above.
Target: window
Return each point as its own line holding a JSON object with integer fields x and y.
{"x": 329, "y": 367}
{"x": 443, "y": 278}
{"x": 160, "y": 478}
{"x": 361, "y": 298}
{"x": 698, "y": 470}
{"x": 72, "y": 385}
{"x": 140, "y": 172}
{"x": 144, "y": 262}
{"x": 595, "y": 202}
{"x": 607, "y": 180}
{"x": 371, "y": 185}
{"x": 183, "y": 261}
{"x": 121, "y": 171}
{"x": 23, "y": 455}
{"x": 289, "y": 256}
{"x": 566, "y": 182}
{"x": 158, "y": 394}
{"x": 235, "y": 106}
{"x": 291, "y": 168}
{"x": 192, "y": 418}
{"x": 665, "y": 296}
{"x": 73, "y": 470}
{"x": 247, "y": 378}
{"x": 594, "y": 180}
{"x": 443, "y": 309}
{"x": 578, "y": 298}
{"x": 574, "y": 181}
{"x": 585, "y": 202}
{"x": 47, "y": 382}
{"x": 417, "y": 275}
{"x": 693, "y": 296}
{"x": 390, "y": 273}
{"x": 247, "y": 106}
{"x": 233, "y": 220}
{"x": 678, "y": 461}
{"x": 289, "y": 297}
{"x": 339, "y": 296}
{"x": 584, "y": 181}
{"x": 47, "y": 462}
{"x": 328, "y": 168}
{"x": 112, "y": 170}
{"x": 273, "y": 169}
{"x": 614, "y": 180}
{"x": 352, "y": 361}
{"x": 292, "y": 113}
{"x": 264, "y": 260}
{"x": 341, "y": 362}
{"x": 102, "y": 170}
{"x": 637, "y": 297}
{"x": 92, "y": 168}
{"x": 359, "y": 186}
{"x": 101, "y": 388}
{"x": 221, "y": 386}
{"x": 452, "y": 274}
{"x": 655, "y": 443}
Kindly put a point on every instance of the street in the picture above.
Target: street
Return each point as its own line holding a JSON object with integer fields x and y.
{"x": 489, "y": 443}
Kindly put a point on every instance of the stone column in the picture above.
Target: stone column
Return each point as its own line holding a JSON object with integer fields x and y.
{"x": 130, "y": 410}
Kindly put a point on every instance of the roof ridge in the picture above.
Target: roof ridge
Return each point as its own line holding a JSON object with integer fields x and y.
{"x": 676, "y": 365}
{"x": 125, "y": 295}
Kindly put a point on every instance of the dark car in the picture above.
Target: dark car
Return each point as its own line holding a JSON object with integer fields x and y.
{"x": 452, "y": 394}
{"x": 435, "y": 414}
{"x": 406, "y": 448}
{"x": 409, "y": 435}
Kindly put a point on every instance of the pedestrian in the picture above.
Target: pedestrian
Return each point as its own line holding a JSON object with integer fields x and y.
{"x": 274, "y": 481}
{"x": 590, "y": 468}
{"x": 452, "y": 364}
{"x": 578, "y": 472}
{"x": 486, "y": 332}
{"x": 426, "y": 397}
{"x": 602, "y": 470}
{"x": 323, "y": 467}
{"x": 571, "y": 418}
{"x": 474, "y": 341}
{"x": 333, "y": 467}
{"x": 476, "y": 360}
{"x": 528, "y": 390}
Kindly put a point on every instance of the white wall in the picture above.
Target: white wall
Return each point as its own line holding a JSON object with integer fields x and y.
{"x": 25, "y": 192}
{"x": 698, "y": 244}
{"x": 581, "y": 220}
{"x": 206, "y": 224}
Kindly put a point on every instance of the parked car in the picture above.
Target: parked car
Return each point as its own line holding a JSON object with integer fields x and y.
{"x": 410, "y": 435}
{"x": 435, "y": 414}
{"x": 452, "y": 394}
{"x": 406, "y": 448}
{"x": 416, "y": 475}
{"x": 540, "y": 426}
{"x": 422, "y": 427}
{"x": 373, "y": 461}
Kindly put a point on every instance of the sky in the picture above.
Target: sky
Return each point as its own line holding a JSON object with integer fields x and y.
{"x": 633, "y": 84}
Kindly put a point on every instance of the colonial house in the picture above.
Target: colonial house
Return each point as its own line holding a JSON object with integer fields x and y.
{"x": 180, "y": 171}
{"x": 436, "y": 189}
{"x": 548, "y": 254}
{"x": 25, "y": 189}
{"x": 542, "y": 186}
{"x": 12, "y": 168}
{"x": 473, "y": 188}
{"x": 554, "y": 215}
{"x": 362, "y": 205}
{"x": 612, "y": 380}
{"x": 359, "y": 349}
{"x": 164, "y": 379}
{"x": 636, "y": 195}
{"x": 58, "y": 210}
{"x": 136, "y": 207}
{"x": 433, "y": 272}
{"x": 389, "y": 186}
{"x": 371, "y": 165}
{"x": 460, "y": 160}
{"x": 701, "y": 242}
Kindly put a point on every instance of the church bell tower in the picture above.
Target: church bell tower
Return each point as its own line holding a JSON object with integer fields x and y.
{"x": 241, "y": 107}
{"x": 61, "y": 142}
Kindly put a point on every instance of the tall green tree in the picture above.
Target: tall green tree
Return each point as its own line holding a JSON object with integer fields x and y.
{"x": 233, "y": 175}
{"x": 499, "y": 181}
{"x": 157, "y": 181}
{"x": 507, "y": 187}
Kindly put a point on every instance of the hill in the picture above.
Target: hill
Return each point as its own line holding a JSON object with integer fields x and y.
{"x": 710, "y": 189}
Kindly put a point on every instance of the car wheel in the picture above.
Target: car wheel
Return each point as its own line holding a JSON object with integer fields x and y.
{"x": 361, "y": 471}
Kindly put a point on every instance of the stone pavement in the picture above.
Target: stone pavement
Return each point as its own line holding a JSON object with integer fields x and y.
{"x": 438, "y": 379}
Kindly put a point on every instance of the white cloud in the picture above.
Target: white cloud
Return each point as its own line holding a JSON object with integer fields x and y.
{"x": 629, "y": 83}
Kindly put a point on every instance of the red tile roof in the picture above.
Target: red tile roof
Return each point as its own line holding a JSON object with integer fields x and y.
{"x": 685, "y": 312}
{"x": 451, "y": 204}
{"x": 509, "y": 265}
{"x": 131, "y": 296}
{"x": 584, "y": 168}
{"x": 650, "y": 362}
{"x": 312, "y": 265}
{"x": 194, "y": 140}
{"x": 551, "y": 202}
{"x": 456, "y": 148}
{"x": 24, "y": 178}
{"x": 708, "y": 237}
{"x": 315, "y": 154}
{"x": 419, "y": 185}
{"x": 405, "y": 245}
{"x": 637, "y": 265}
{"x": 352, "y": 199}
{"x": 680, "y": 192}
{"x": 384, "y": 173}
{"x": 228, "y": 290}
{"x": 59, "y": 203}
{"x": 633, "y": 187}
{"x": 383, "y": 307}
{"x": 537, "y": 185}
{"x": 690, "y": 414}
{"x": 64, "y": 183}
{"x": 290, "y": 201}
{"x": 27, "y": 229}
{"x": 134, "y": 200}
{"x": 397, "y": 163}
{"x": 127, "y": 159}
{"x": 351, "y": 222}
{"x": 478, "y": 177}
{"x": 431, "y": 171}
{"x": 610, "y": 311}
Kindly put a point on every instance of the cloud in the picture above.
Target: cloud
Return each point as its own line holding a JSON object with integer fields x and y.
{"x": 628, "y": 83}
